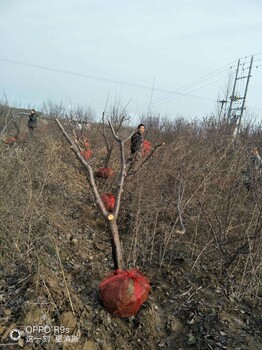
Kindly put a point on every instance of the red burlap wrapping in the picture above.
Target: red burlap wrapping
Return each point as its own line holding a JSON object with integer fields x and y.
{"x": 108, "y": 200}
{"x": 86, "y": 144}
{"x": 146, "y": 148}
{"x": 105, "y": 173}
{"x": 86, "y": 153}
{"x": 10, "y": 140}
{"x": 123, "y": 292}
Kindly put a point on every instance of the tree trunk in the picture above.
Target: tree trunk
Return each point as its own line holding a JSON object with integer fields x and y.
{"x": 116, "y": 245}
{"x": 108, "y": 156}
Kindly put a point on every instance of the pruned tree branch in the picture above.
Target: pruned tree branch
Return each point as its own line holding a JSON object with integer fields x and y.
{"x": 89, "y": 169}
{"x": 129, "y": 172}
{"x": 113, "y": 132}
{"x": 110, "y": 218}
{"x": 122, "y": 170}
{"x": 109, "y": 146}
{"x": 104, "y": 132}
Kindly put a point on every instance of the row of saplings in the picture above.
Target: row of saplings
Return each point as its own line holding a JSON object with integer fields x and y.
{"x": 122, "y": 292}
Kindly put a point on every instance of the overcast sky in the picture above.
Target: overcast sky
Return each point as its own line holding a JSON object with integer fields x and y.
{"x": 156, "y": 54}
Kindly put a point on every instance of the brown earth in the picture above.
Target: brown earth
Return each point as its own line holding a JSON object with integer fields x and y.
{"x": 184, "y": 310}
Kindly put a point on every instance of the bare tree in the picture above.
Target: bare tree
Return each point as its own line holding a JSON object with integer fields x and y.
{"x": 109, "y": 217}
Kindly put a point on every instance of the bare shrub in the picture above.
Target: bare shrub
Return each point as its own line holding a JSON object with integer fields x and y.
{"x": 222, "y": 217}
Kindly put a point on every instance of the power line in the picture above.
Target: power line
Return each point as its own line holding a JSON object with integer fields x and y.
{"x": 174, "y": 95}
{"x": 82, "y": 75}
{"x": 98, "y": 78}
{"x": 179, "y": 92}
{"x": 200, "y": 80}
{"x": 254, "y": 54}
{"x": 186, "y": 94}
{"x": 104, "y": 79}
{"x": 194, "y": 83}
{"x": 170, "y": 95}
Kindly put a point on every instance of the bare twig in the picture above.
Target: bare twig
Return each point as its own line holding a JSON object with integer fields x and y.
{"x": 89, "y": 169}
{"x": 6, "y": 123}
{"x": 64, "y": 278}
{"x": 183, "y": 229}
{"x": 130, "y": 173}
{"x": 122, "y": 170}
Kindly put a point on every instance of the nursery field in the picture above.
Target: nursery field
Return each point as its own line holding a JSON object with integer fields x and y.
{"x": 189, "y": 218}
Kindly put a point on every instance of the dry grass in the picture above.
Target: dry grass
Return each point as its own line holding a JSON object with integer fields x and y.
{"x": 55, "y": 247}
{"x": 41, "y": 180}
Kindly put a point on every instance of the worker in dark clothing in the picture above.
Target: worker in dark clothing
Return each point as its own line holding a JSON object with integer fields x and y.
{"x": 32, "y": 122}
{"x": 137, "y": 140}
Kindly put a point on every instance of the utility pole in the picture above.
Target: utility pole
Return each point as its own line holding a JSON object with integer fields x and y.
{"x": 236, "y": 108}
{"x": 245, "y": 94}
{"x": 232, "y": 97}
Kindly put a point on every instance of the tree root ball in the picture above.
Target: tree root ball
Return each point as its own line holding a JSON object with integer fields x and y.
{"x": 104, "y": 173}
{"x": 123, "y": 292}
